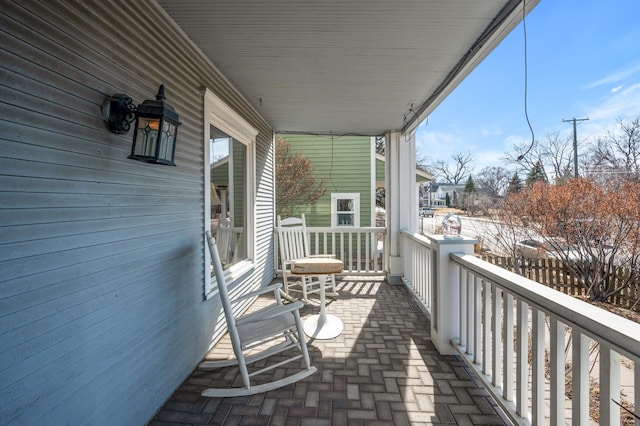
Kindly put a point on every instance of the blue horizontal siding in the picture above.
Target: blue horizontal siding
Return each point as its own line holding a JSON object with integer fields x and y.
{"x": 102, "y": 314}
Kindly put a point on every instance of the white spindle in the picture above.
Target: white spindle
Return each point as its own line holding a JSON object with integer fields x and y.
{"x": 477, "y": 325}
{"x": 462, "y": 306}
{"x": 557, "y": 361}
{"x": 522, "y": 362}
{"x": 496, "y": 335}
{"x": 609, "y": 386}
{"x": 579, "y": 377}
{"x": 507, "y": 347}
{"x": 636, "y": 388}
{"x": 537, "y": 337}
{"x": 486, "y": 326}
{"x": 470, "y": 313}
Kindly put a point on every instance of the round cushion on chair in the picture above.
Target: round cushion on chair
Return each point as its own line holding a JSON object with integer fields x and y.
{"x": 317, "y": 266}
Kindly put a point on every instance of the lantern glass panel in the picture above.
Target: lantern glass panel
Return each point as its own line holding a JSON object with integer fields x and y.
{"x": 146, "y": 137}
{"x": 167, "y": 140}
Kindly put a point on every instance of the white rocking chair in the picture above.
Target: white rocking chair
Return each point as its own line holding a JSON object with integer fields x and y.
{"x": 278, "y": 324}
{"x": 294, "y": 245}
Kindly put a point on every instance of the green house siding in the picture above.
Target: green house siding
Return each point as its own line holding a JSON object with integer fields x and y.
{"x": 345, "y": 162}
{"x": 380, "y": 171}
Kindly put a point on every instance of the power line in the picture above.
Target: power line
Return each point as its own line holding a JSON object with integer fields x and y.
{"x": 575, "y": 143}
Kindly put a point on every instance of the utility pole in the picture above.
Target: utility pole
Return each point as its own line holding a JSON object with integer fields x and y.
{"x": 575, "y": 143}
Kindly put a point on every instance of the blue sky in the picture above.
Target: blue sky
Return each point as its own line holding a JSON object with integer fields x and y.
{"x": 583, "y": 61}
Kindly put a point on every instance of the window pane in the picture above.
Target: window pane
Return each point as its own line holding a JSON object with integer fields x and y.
{"x": 228, "y": 195}
{"x": 345, "y": 205}
{"x": 345, "y": 219}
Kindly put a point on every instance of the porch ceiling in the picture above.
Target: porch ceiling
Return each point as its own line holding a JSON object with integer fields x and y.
{"x": 352, "y": 66}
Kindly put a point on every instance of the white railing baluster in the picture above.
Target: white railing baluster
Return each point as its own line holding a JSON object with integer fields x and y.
{"x": 486, "y": 328}
{"x": 477, "y": 330}
{"x": 470, "y": 313}
{"x": 522, "y": 362}
{"x": 367, "y": 250}
{"x": 462, "y": 308}
{"x": 636, "y": 389}
{"x": 316, "y": 241}
{"x": 609, "y": 385}
{"x": 579, "y": 378}
{"x": 507, "y": 347}
{"x": 343, "y": 255}
{"x": 416, "y": 272}
{"x": 556, "y": 358}
{"x": 497, "y": 335}
{"x": 537, "y": 368}
{"x": 428, "y": 277}
{"x": 417, "y": 278}
{"x": 351, "y": 257}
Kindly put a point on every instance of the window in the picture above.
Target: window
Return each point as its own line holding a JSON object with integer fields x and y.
{"x": 345, "y": 209}
{"x": 229, "y": 153}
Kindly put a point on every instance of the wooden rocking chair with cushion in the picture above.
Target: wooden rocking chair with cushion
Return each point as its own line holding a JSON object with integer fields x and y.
{"x": 277, "y": 328}
{"x": 294, "y": 246}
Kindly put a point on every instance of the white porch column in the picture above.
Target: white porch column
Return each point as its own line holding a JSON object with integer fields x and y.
{"x": 401, "y": 196}
{"x": 445, "y": 303}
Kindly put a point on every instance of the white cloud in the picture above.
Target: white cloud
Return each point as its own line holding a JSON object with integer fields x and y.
{"x": 617, "y": 88}
{"x": 515, "y": 140}
{"x": 616, "y": 76}
{"x": 623, "y": 103}
{"x": 438, "y": 145}
{"x": 490, "y": 132}
{"x": 487, "y": 159}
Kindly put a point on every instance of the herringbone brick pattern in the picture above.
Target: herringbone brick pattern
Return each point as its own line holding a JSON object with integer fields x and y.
{"x": 382, "y": 370}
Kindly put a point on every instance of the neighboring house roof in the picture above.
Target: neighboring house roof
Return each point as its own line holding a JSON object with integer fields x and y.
{"x": 450, "y": 188}
{"x": 446, "y": 187}
{"x": 487, "y": 192}
{"x": 346, "y": 67}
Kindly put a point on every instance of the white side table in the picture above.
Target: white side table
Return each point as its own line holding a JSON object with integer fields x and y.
{"x": 321, "y": 326}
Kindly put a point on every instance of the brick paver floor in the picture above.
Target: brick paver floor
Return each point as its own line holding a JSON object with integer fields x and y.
{"x": 382, "y": 370}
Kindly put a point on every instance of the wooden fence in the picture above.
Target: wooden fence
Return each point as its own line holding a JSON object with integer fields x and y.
{"x": 553, "y": 273}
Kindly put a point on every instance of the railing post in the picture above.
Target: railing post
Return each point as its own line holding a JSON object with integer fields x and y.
{"x": 445, "y": 315}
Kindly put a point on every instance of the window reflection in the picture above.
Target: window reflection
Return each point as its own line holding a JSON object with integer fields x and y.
{"x": 228, "y": 196}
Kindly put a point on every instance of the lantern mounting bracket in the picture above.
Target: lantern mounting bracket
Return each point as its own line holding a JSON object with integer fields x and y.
{"x": 119, "y": 112}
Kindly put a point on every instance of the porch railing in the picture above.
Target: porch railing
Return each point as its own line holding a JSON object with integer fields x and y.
{"x": 361, "y": 249}
{"x": 529, "y": 344}
{"x": 419, "y": 272}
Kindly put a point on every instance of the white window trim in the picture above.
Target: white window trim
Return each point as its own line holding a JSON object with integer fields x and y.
{"x": 223, "y": 117}
{"x": 334, "y": 208}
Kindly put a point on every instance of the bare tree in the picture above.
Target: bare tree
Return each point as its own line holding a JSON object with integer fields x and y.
{"x": 524, "y": 155}
{"x": 617, "y": 153}
{"x": 296, "y": 184}
{"x": 554, "y": 153}
{"x": 495, "y": 178}
{"x": 380, "y": 145}
{"x": 422, "y": 162}
{"x": 455, "y": 172}
{"x": 557, "y": 154}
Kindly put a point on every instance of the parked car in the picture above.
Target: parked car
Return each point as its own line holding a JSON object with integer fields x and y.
{"x": 537, "y": 249}
{"x": 426, "y": 212}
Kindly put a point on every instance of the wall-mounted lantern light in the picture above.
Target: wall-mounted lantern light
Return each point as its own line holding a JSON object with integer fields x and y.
{"x": 156, "y": 129}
